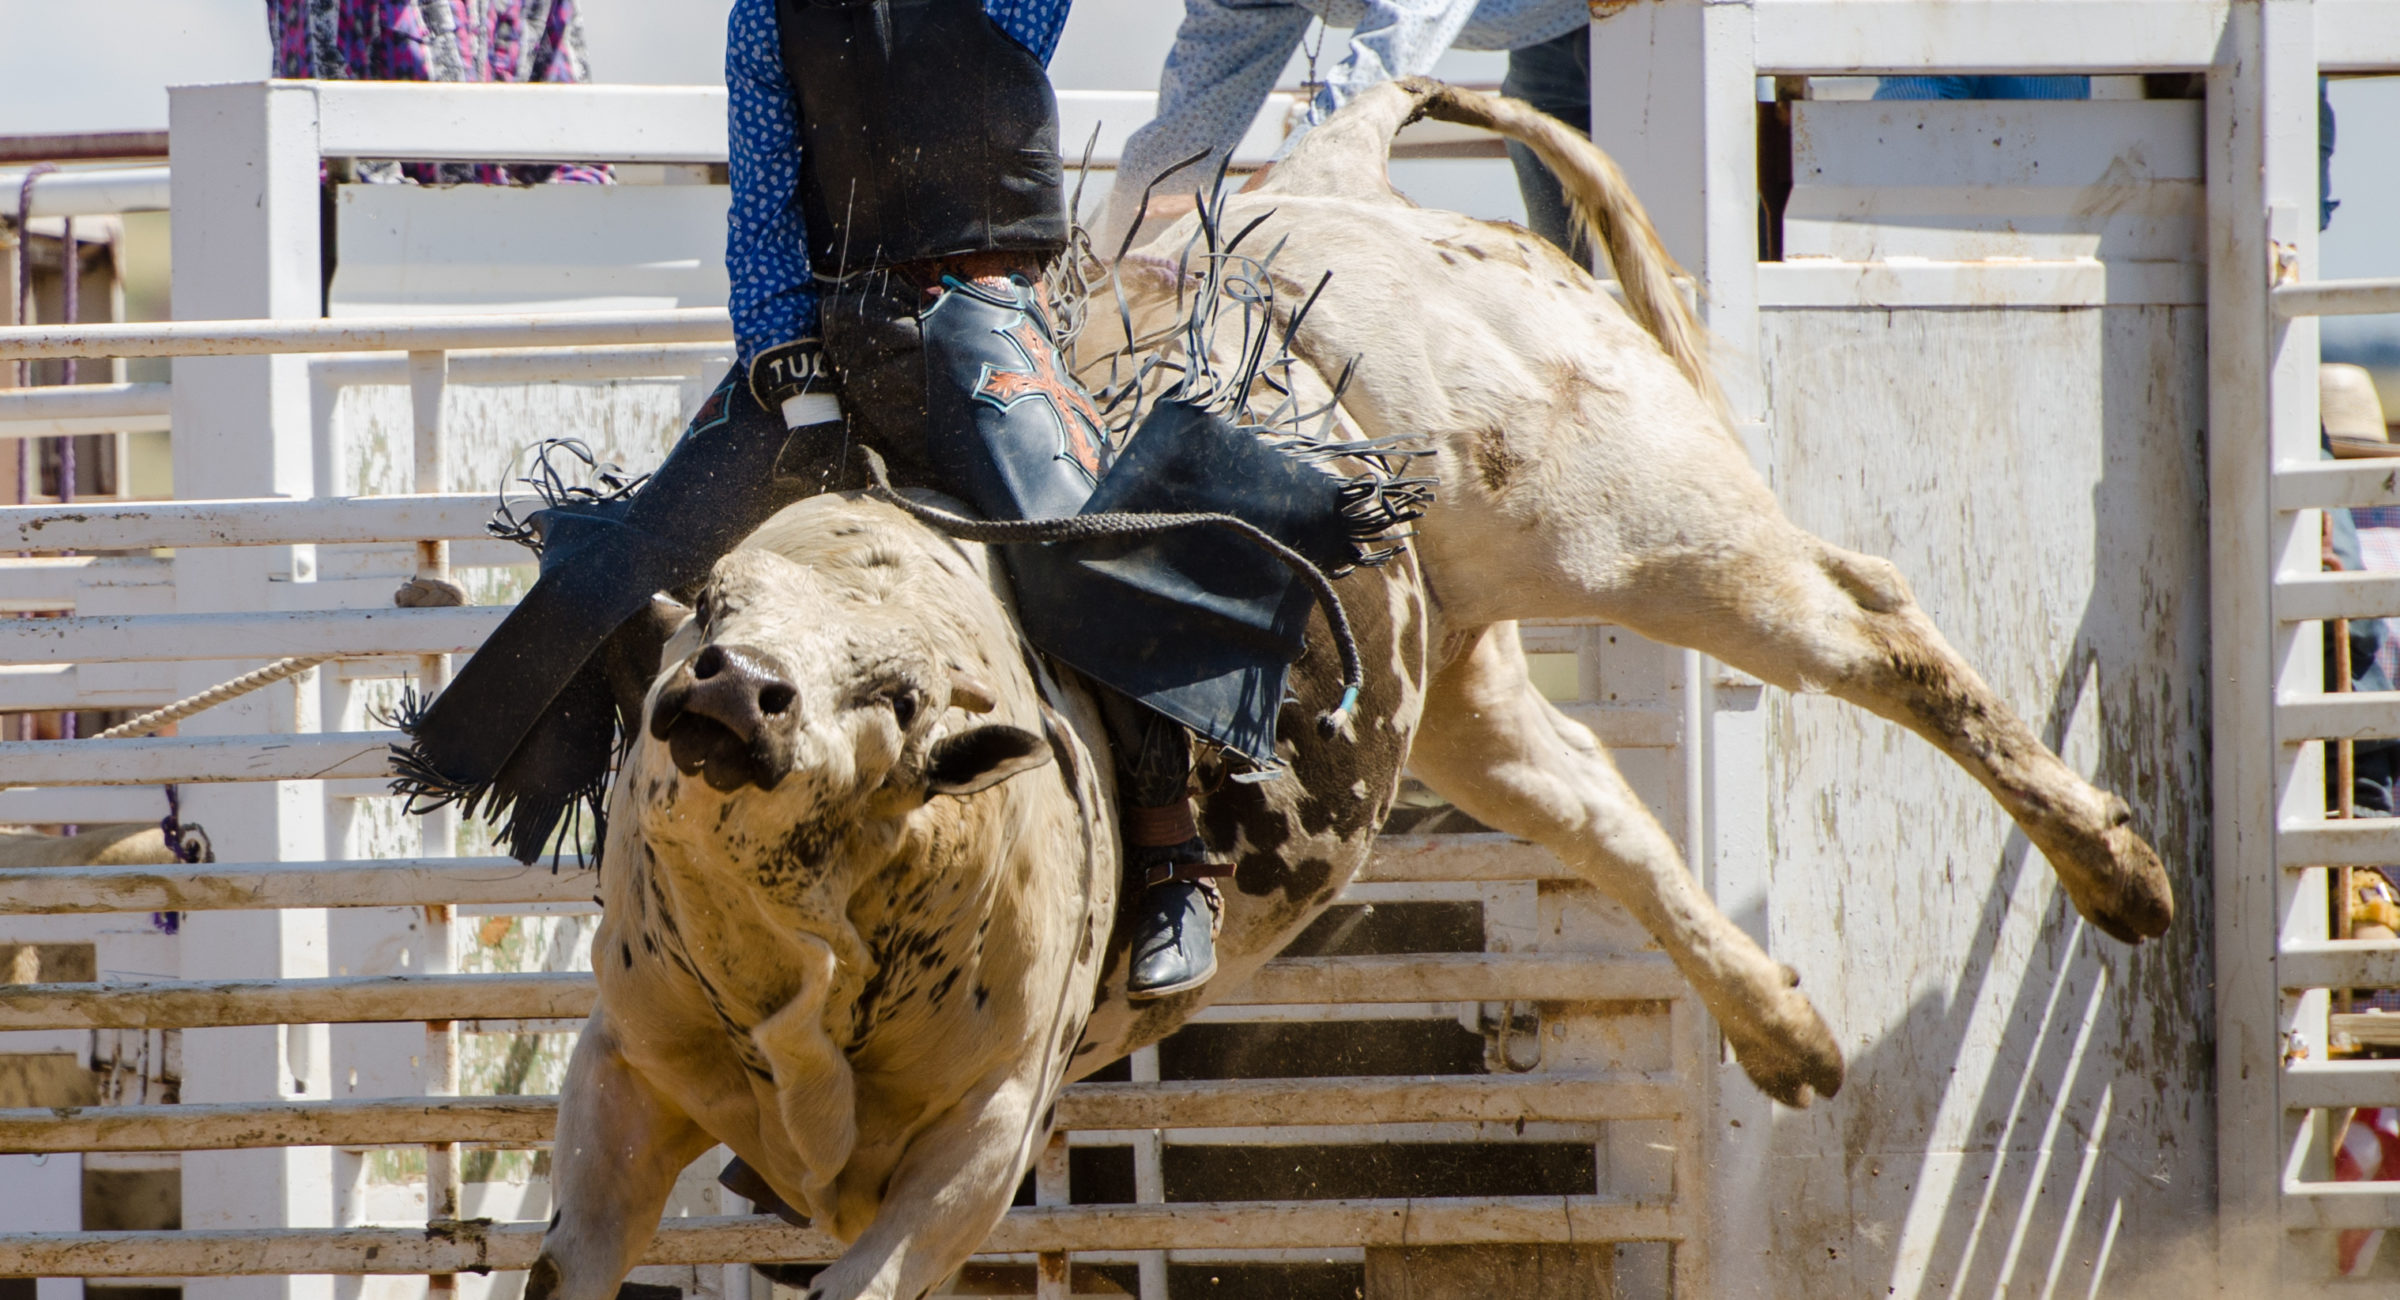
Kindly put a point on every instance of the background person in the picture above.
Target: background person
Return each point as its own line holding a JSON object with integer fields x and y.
{"x": 436, "y": 40}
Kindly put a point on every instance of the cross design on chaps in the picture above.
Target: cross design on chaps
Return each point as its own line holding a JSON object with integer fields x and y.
{"x": 1080, "y": 439}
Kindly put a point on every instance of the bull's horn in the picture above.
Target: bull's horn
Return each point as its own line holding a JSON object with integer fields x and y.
{"x": 968, "y": 692}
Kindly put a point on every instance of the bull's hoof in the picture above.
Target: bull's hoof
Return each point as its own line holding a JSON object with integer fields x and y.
{"x": 1790, "y": 1053}
{"x": 2116, "y": 880}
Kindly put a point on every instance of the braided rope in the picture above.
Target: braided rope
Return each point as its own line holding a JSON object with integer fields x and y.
{"x": 213, "y": 696}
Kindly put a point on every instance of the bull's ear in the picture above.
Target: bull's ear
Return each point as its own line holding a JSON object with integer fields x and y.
{"x": 982, "y": 757}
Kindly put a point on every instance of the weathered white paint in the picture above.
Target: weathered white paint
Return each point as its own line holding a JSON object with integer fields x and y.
{"x": 526, "y": 1121}
{"x": 217, "y": 760}
{"x": 1716, "y": 49}
{"x": 1400, "y": 860}
{"x": 246, "y": 636}
{"x": 352, "y": 999}
{"x": 2063, "y": 282}
{"x": 241, "y": 521}
{"x": 93, "y": 192}
{"x": 2336, "y": 298}
{"x": 44, "y": 1193}
{"x": 229, "y": 337}
{"x": 1195, "y": 1225}
{"x": 246, "y": 247}
{"x": 411, "y": 250}
{"x": 2020, "y": 1087}
{"x": 1964, "y": 180}
{"x": 119, "y": 405}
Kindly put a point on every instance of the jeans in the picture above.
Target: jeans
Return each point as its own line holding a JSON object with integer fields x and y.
{"x": 1554, "y": 76}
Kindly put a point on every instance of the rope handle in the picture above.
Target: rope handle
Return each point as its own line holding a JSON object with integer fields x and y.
{"x": 213, "y": 696}
{"x": 1022, "y": 532}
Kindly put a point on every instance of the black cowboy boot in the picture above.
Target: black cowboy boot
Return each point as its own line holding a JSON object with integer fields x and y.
{"x": 1169, "y": 871}
{"x": 526, "y": 729}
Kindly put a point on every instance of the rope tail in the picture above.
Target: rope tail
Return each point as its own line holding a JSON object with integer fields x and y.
{"x": 213, "y": 696}
{"x": 1026, "y": 532}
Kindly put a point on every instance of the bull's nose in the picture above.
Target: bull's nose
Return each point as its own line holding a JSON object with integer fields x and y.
{"x": 719, "y": 716}
{"x": 739, "y": 690}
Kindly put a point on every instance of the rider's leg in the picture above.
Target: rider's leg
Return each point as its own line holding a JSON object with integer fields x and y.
{"x": 1170, "y": 873}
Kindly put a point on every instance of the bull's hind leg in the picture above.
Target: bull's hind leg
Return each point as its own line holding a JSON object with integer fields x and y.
{"x": 1806, "y": 615}
{"x": 1736, "y": 580}
{"x": 618, "y": 1149}
{"x": 1492, "y": 745}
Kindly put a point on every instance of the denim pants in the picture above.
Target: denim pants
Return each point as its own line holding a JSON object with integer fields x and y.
{"x": 1554, "y": 76}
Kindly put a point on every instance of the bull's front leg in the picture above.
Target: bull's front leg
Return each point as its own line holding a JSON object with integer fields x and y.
{"x": 949, "y": 1190}
{"x": 618, "y": 1149}
{"x": 814, "y": 1090}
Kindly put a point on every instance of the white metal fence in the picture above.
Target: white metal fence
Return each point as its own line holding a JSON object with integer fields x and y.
{"x": 1679, "y": 106}
{"x": 221, "y": 587}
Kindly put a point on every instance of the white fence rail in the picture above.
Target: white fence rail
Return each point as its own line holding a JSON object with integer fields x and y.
{"x": 475, "y": 1246}
{"x": 234, "y": 338}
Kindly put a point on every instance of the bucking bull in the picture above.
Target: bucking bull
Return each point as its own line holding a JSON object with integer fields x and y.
{"x": 860, "y": 861}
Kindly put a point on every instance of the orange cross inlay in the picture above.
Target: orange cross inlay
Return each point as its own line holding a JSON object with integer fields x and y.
{"x": 1079, "y": 424}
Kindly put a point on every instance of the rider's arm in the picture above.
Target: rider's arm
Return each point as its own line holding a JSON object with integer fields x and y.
{"x": 1394, "y": 38}
{"x": 774, "y": 300}
{"x": 1223, "y": 65}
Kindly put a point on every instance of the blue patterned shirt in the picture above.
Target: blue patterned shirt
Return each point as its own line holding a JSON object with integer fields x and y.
{"x": 766, "y": 251}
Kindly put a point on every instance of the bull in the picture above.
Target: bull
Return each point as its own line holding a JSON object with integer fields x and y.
{"x": 857, "y": 853}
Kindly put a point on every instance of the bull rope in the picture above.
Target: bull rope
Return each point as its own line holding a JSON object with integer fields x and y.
{"x": 213, "y": 696}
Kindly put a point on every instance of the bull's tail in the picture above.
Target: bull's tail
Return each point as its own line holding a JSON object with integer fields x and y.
{"x": 1603, "y": 200}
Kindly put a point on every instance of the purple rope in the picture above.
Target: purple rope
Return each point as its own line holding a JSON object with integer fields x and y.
{"x": 72, "y": 270}
{"x": 25, "y": 311}
{"x": 24, "y": 369}
{"x": 171, "y": 826}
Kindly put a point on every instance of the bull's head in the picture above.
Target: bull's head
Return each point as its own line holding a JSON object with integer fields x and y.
{"x": 779, "y": 683}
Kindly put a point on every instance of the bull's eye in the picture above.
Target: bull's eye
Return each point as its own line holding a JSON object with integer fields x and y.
{"x": 904, "y": 708}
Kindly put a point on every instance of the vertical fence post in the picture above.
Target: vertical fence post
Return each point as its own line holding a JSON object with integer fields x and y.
{"x": 428, "y": 374}
{"x": 246, "y": 238}
{"x": 2262, "y": 222}
{"x": 1149, "y": 1178}
{"x": 1675, "y": 101}
{"x": 1053, "y": 1269}
{"x": 2295, "y": 548}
